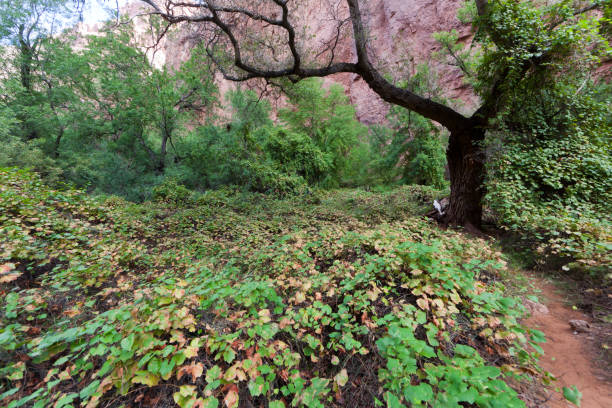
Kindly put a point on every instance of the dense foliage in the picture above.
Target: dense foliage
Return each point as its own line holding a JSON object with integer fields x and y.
{"x": 564, "y": 179}
{"x": 222, "y": 252}
{"x": 231, "y": 299}
{"x": 550, "y": 143}
{"x": 104, "y": 117}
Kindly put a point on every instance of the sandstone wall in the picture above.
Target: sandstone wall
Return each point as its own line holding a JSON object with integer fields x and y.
{"x": 401, "y": 32}
{"x": 401, "y": 39}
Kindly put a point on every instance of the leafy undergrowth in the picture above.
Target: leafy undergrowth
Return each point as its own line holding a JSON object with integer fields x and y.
{"x": 242, "y": 300}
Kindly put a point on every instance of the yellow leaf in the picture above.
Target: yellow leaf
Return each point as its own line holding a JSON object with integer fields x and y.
{"x": 145, "y": 378}
{"x": 373, "y": 294}
{"x": 234, "y": 372}
{"x": 231, "y": 398}
{"x": 285, "y": 321}
{"x": 264, "y": 314}
{"x": 192, "y": 350}
{"x": 71, "y": 312}
{"x": 423, "y": 303}
{"x": 300, "y": 297}
{"x": 9, "y": 277}
{"x": 341, "y": 378}
{"x": 6, "y": 268}
{"x": 5, "y": 276}
{"x": 194, "y": 369}
{"x": 178, "y": 337}
{"x": 438, "y": 303}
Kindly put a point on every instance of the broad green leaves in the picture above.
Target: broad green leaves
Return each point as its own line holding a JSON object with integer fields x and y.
{"x": 572, "y": 395}
{"x": 279, "y": 307}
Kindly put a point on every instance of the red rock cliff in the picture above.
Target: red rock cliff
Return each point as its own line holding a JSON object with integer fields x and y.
{"x": 400, "y": 39}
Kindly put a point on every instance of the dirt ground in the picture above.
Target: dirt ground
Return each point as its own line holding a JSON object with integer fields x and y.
{"x": 570, "y": 357}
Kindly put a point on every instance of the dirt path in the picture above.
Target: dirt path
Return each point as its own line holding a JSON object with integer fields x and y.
{"x": 570, "y": 357}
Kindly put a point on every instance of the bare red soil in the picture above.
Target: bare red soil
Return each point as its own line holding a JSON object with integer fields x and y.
{"x": 570, "y": 357}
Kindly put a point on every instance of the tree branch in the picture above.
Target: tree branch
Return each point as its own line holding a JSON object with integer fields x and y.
{"x": 440, "y": 113}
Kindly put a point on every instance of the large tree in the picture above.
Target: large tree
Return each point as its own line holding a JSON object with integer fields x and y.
{"x": 135, "y": 98}
{"x": 26, "y": 29}
{"x": 269, "y": 40}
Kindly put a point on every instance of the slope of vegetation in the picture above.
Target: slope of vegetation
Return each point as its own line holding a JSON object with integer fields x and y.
{"x": 343, "y": 298}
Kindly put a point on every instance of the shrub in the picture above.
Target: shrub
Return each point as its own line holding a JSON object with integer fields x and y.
{"x": 254, "y": 301}
{"x": 264, "y": 178}
{"x": 297, "y": 154}
{"x": 170, "y": 191}
{"x": 550, "y": 176}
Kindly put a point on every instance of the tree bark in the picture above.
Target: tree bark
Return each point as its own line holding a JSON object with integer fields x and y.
{"x": 161, "y": 164}
{"x": 58, "y": 141}
{"x": 466, "y": 166}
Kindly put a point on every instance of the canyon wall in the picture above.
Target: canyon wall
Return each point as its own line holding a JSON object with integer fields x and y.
{"x": 400, "y": 39}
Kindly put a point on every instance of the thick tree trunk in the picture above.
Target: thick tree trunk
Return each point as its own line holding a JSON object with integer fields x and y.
{"x": 466, "y": 166}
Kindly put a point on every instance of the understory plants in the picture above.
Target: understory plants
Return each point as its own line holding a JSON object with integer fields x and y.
{"x": 245, "y": 299}
{"x": 562, "y": 171}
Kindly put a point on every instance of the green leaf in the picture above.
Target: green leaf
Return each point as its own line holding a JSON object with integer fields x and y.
{"x": 66, "y": 400}
{"x": 229, "y": 355}
{"x": 537, "y": 336}
{"x": 61, "y": 361}
{"x": 418, "y": 393}
{"x": 212, "y": 402}
{"x": 213, "y": 373}
{"x": 128, "y": 342}
{"x": 572, "y": 395}
{"x": 89, "y": 390}
{"x": 146, "y": 378}
{"x": 393, "y": 401}
{"x": 166, "y": 368}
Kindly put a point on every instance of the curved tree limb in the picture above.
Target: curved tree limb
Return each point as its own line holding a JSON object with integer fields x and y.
{"x": 210, "y": 12}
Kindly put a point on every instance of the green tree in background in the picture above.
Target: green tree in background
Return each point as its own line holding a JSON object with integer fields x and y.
{"x": 326, "y": 116}
{"x": 26, "y": 28}
{"x": 142, "y": 103}
{"x": 519, "y": 43}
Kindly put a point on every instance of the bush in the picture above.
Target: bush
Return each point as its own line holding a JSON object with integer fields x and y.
{"x": 297, "y": 154}
{"x": 411, "y": 149}
{"x": 170, "y": 191}
{"x": 550, "y": 177}
{"x": 203, "y": 303}
{"x": 263, "y": 178}
{"x": 15, "y": 152}
{"x": 425, "y": 160}
{"x": 327, "y": 118}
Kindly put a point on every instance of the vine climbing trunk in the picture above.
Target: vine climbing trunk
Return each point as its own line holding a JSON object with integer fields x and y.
{"x": 466, "y": 167}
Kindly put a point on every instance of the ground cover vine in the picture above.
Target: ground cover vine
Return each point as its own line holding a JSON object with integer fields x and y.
{"x": 342, "y": 298}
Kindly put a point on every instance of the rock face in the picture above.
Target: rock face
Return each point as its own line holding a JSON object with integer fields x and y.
{"x": 535, "y": 308}
{"x": 401, "y": 32}
{"x": 400, "y": 40}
